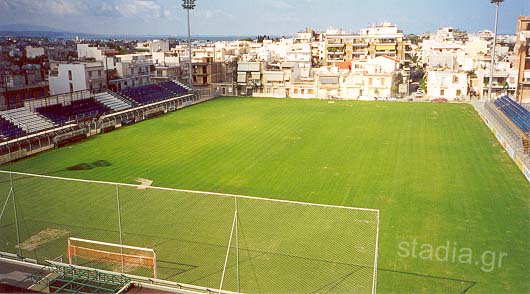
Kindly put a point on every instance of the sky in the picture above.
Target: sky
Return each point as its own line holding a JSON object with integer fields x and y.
{"x": 253, "y": 17}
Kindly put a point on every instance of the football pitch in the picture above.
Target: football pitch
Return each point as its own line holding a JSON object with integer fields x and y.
{"x": 454, "y": 207}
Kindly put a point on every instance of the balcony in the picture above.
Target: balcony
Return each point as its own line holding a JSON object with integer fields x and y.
{"x": 336, "y": 45}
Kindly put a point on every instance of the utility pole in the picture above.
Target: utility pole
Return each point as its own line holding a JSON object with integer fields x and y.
{"x": 492, "y": 70}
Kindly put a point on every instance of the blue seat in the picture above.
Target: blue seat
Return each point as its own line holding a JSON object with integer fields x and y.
{"x": 147, "y": 94}
{"x": 519, "y": 115}
{"x": 79, "y": 109}
{"x": 10, "y": 131}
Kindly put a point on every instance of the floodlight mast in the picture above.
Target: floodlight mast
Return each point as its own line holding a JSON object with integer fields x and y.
{"x": 189, "y": 5}
{"x": 492, "y": 69}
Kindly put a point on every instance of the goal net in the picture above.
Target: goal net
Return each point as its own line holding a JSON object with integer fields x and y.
{"x": 110, "y": 256}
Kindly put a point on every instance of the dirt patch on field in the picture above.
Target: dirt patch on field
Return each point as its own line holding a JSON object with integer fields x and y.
{"x": 41, "y": 238}
{"x": 144, "y": 183}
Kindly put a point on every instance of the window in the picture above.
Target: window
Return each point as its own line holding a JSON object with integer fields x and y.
{"x": 442, "y": 92}
{"x": 370, "y": 81}
{"x": 90, "y": 74}
{"x": 455, "y": 80}
{"x": 70, "y": 75}
{"x": 71, "y": 87}
{"x": 458, "y": 93}
{"x": 296, "y": 90}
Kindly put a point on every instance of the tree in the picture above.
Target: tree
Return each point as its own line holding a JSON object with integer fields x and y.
{"x": 423, "y": 84}
{"x": 398, "y": 79}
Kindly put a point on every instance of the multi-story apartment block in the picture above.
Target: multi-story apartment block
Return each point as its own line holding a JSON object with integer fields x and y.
{"x": 381, "y": 40}
{"x": 385, "y": 39}
{"x": 72, "y": 77}
{"x": 447, "y": 84}
{"x": 207, "y": 72}
{"x": 131, "y": 70}
{"x": 34, "y": 52}
{"x": 522, "y": 59}
{"x": 16, "y": 86}
{"x": 153, "y": 46}
{"x": 87, "y": 51}
{"x": 249, "y": 77}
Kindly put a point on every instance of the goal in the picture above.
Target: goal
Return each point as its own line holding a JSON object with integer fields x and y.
{"x": 111, "y": 256}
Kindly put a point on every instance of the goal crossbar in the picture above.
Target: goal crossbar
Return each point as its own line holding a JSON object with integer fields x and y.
{"x": 79, "y": 247}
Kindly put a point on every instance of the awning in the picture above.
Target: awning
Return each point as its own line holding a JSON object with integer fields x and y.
{"x": 329, "y": 80}
{"x": 241, "y": 77}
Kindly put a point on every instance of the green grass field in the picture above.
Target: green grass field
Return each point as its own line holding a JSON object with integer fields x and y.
{"x": 434, "y": 170}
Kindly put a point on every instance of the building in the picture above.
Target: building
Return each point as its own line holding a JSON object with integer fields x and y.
{"x": 384, "y": 39}
{"x": 130, "y": 70}
{"x": 522, "y": 60}
{"x": 249, "y": 77}
{"x": 72, "y": 77}
{"x": 381, "y": 40}
{"x": 153, "y": 46}
{"x": 447, "y": 84}
{"x": 207, "y": 72}
{"x": 87, "y": 51}
{"x": 20, "y": 85}
{"x": 34, "y": 52}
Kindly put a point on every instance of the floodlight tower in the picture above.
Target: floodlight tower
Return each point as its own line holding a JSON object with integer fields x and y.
{"x": 497, "y": 4}
{"x": 189, "y": 5}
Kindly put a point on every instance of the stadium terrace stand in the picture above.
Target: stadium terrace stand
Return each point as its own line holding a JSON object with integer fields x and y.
{"x": 174, "y": 87}
{"x": 112, "y": 101}
{"x": 519, "y": 115}
{"x": 147, "y": 94}
{"x": 9, "y": 131}
{"x": 78, "y": 109}
{"x": 26, "y": 120}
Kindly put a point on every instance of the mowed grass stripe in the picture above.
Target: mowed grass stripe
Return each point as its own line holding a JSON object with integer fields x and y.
{"x": 435, "y": 171}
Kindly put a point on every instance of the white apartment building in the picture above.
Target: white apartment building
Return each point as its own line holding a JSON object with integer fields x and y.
{"x": 71, "y": 77}
{"x": 86, "y": 51}
{"x": 34, "y": 52}
{"x": 249, "y": 77}
{"x": 448, "y": 53}
{"x": 504, "y": 78}
{"x": 447, "y": 84}
{"x": 153, "y": 46}
{"x": 132, "y": 70}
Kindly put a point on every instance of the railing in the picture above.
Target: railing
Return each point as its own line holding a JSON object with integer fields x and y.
{"x": 508, "y": 135}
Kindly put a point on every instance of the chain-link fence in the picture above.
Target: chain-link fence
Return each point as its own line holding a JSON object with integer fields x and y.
{"x": 232, "y": 242}
{"x": 508, "y": 135}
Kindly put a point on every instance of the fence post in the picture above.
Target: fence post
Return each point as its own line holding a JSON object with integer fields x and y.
{"x": 237, "y": 245}
{"x": 120, "y": 228}
{"x": 16, "y": 214}
{"x": 228, "y": 252}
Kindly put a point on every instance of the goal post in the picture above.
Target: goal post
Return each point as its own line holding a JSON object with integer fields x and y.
{"x": 103, "y": 254}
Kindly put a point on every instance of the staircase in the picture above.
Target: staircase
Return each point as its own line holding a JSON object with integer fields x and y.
{"x": 112, "y": 101}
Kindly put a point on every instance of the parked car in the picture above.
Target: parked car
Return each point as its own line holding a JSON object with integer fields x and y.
{"x": 439, "y": 100}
